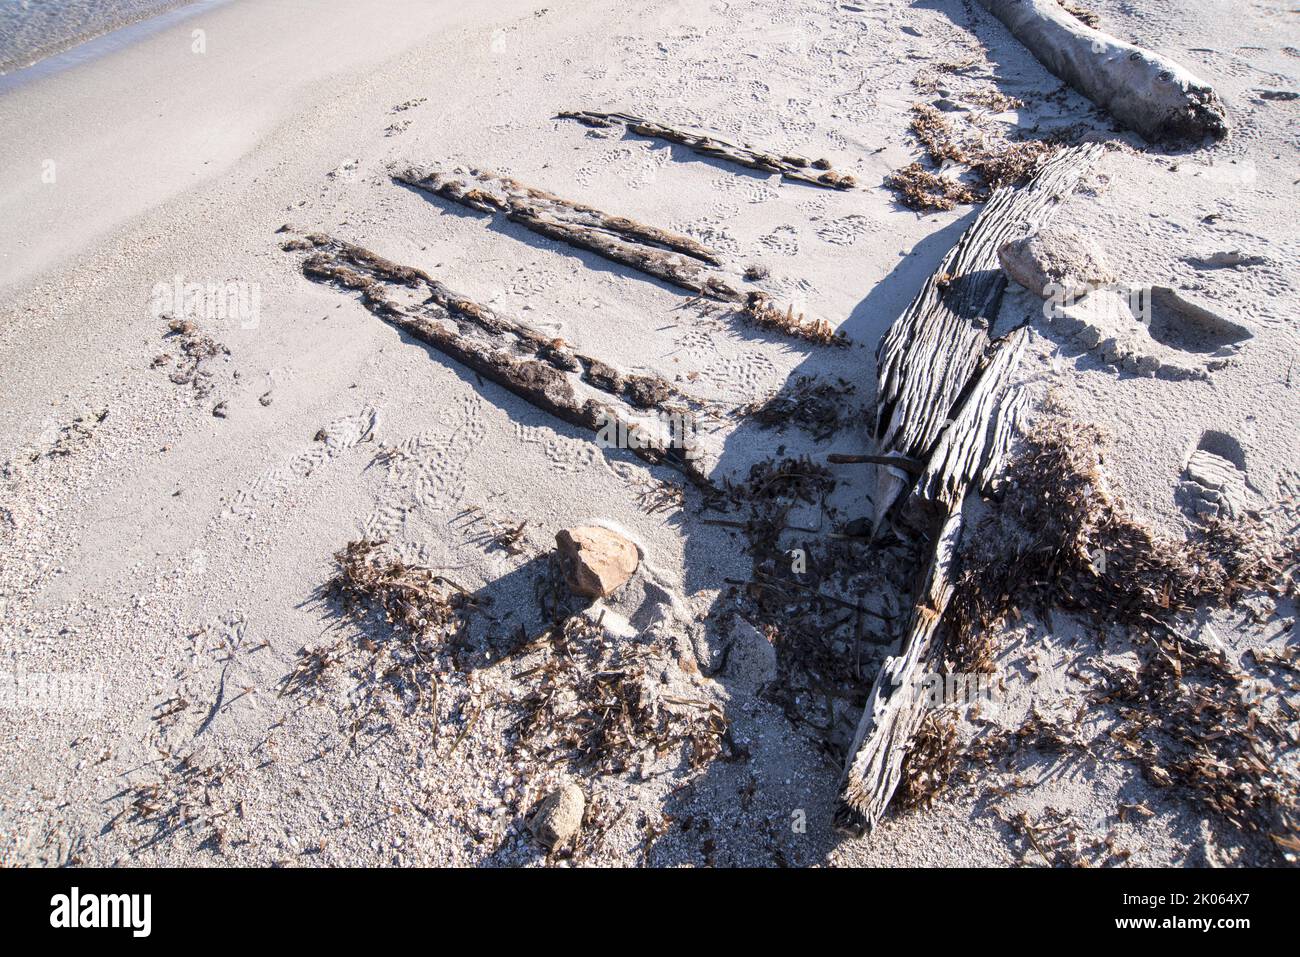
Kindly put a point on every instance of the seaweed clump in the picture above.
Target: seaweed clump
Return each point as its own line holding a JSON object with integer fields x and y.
{"x": 759, "y": 309}
{"x": 815, "y": 405}
{"x": 1189, "y": 715}
{"x": 808, "y": 591}
{"x": 601, "y": 707}
{"x": 992, "y": 160}
{"x": 406, "y": 618}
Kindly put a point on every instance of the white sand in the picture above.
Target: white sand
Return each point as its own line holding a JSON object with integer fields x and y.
{"x": 169, "y": 535}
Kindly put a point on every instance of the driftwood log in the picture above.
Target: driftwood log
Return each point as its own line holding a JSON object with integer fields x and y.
{"x": 968, "y": 457}
{"x": 816, "y": 172}
{"x": 1142, "y": 90}
{"x": 675, "y": 259}
{"x": 678, "y": 260}
{"x": 930, "y": 357}
{"x": 945, "y": 400}
{"x": 542, "y": 370}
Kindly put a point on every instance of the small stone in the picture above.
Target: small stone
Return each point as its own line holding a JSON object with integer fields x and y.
{"x": 558, "y": 818}
{"x": 751, "y": 663}
{"x": 1056, "y": 263}
{"x": 596, "y": 561}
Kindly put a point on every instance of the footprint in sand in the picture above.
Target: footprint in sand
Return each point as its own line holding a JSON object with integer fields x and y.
{"x": 712, "y": 233}
{"x": 846, "y": 230}
{"x": 749, "y": 188}
{"x": 737, "y": 373}
{"x": 1214, "y": 478}
{"x": 784, "y": 240}
{"x": 566, "y": 454}
{"x": 1150, "y": 331}
{"x": 586, "y": 174}
{"x": 275, "y": 484}
{"x": 427, "y": 471}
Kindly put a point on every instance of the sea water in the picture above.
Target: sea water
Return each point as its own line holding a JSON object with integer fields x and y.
{"x": 42, "y": 31}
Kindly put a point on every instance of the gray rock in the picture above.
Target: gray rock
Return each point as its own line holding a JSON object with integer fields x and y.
{"x": 558, "y": 818}
{"x": 751, "y": 661}
{"x": 1055, "y": 262}
{"x": 596, "y": 561}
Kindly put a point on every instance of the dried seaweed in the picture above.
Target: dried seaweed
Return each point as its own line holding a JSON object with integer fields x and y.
{"x": 191, "y": 795}
{"x": 192, "y": 364}
{"x": 1057, "y": 494}
{"x": 804, "y": 594}
{"x": 933, "y": 758}
{"x": 1061, "y": 540}
{"x": 406, "y": 617}
{"x": 1082, "y": 14}
{"x": 992, "y": 159}
{"x": 73, "y": 436}
{"x": 412, "y": 600}
{"x": 1058, "y": 839}
{"x": 602, "y": 709}
{"x": 762, "y": 312}
{"x": 818, "y": 406}
{"x": 991, "y": 98}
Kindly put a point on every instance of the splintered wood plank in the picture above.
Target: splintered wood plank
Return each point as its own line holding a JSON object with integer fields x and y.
{"x": 967, "y": 457}
{"x": 816, "y": 172}
{"x": 970, "y": 451}
{"x": 945, "y": 401}
{"x": 894, "y": 708}
{"x": 929, "y": 358}
{"x": 542, "y": 370}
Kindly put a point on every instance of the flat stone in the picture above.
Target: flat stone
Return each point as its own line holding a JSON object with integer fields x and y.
{"x": 1055, "y": 263}
{"x": 751, "y": 661}
{"x": 596, "y": 561}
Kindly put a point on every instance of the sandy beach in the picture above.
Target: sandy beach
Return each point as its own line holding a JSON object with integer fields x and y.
{"x": 194, "y": 424}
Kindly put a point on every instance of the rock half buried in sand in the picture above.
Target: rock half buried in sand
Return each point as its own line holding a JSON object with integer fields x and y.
{"x": 558, "y": 817}
{"x": 1055, "y": 262}
{"x": 596, "y": 562}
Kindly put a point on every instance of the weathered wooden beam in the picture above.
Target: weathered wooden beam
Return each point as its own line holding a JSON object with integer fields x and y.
{"x": 678, "y": 260}
{"x": 928, "y": 360}
{"x": 944, "y": 399}
{"x": 966, "y": 458}
{"x": 970, "y": 452}
{"x": 1142, "y": 90}
{"x": 542, "y": 370}
{"x": 894, "y": 708}
{"x": 816, "y": 172}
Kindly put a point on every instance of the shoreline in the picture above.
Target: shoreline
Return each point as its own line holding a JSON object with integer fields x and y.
{"x": 76, "y": 50}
